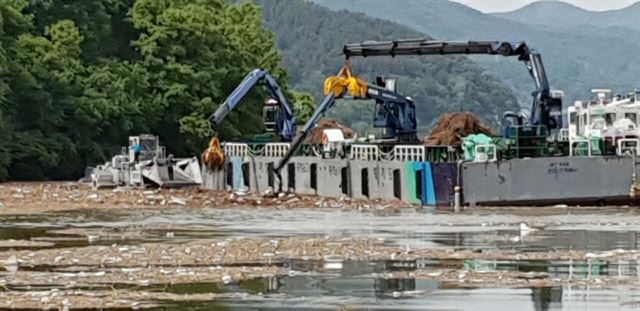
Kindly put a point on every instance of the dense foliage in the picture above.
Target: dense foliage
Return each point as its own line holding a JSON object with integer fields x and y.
{"x": 78, "y": 77}
{"x": 311, "y": 38}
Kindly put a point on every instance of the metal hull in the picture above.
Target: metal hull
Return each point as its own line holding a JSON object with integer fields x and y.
{"x": 545, "y": 181}
{"x": 535, "y": 181}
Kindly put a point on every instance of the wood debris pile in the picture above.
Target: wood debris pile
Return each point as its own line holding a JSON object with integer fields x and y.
{"x": 453, "y": 126}
{"x": 315, "y": 136}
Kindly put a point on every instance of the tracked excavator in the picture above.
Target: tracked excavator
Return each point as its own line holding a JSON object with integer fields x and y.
{"x": 278, "y": 116}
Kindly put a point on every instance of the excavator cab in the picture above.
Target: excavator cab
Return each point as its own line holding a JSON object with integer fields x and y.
{"x": 554, "y": 108}
{"x": 270, "y": 115}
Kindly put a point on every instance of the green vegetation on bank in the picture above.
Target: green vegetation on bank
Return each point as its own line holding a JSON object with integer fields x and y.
{"x": 79, "y": 76}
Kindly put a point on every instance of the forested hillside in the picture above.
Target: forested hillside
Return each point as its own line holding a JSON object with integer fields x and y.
{"x": 578, "y": 57}
{"x": 311, "y": 39}
{"x": 79, "y": 76}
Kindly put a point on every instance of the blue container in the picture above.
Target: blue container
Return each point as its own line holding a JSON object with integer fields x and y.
{"x": 425, "y": 188}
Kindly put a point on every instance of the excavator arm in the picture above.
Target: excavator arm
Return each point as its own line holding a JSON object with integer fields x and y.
{"x": 326, "y": 104}
{"x": 285, "y": 120}
{"x": 547, "y": 106}
{"x": 394, "y": 112}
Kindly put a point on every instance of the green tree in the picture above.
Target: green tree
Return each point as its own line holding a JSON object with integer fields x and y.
{"x": 103, "y": 24}
{"x": 77, "y": 77}
{"x": 45, "y": 75}
{"x": 196, "y": 52}
{"x": 303, "y": 106}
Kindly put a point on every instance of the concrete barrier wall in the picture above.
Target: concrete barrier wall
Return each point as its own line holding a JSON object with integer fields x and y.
{"x": 213, "y": 179}
{"x": 305, "y": 175}
{"x": 546, "y": 179}
{"x": 383, "y": 180}
{"x": 333, "y": 178}
{"x": 445, "y": 178}
{"x": 259, "y": 179}
{"x": 537, "y": 180}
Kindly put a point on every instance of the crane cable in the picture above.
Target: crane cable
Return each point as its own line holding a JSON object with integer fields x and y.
{"x": 345, "y": 82}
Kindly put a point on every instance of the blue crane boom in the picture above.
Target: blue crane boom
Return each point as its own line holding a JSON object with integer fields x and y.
{"x": 547, "y": 106}
{"x": 285, "y": 120}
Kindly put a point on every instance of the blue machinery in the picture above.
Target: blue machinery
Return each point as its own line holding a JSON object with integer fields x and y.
{"x": 396, "y": 113}
{"x": 278, "y": 117}
{"x": 547, "y": 106}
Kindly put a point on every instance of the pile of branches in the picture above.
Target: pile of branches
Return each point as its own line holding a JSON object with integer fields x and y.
{"x": 454, "y": 126}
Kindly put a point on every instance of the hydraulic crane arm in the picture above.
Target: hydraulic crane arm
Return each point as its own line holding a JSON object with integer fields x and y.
{"x": 546, "y": 109}
{"x": 431, "y": 47}
{"x": 394, "y": 112}
{"x": 285, "y": 120}
{"x": 326, "y": 104}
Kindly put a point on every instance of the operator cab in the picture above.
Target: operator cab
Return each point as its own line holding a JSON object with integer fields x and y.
{"x": 150, "y": 147}
{"x": 270, "y": 115}
{"x": 555, "y": 110}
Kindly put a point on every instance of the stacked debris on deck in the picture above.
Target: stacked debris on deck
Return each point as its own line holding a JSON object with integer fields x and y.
{"x": 315, "y": 136}
{"x": 453, "y": 126}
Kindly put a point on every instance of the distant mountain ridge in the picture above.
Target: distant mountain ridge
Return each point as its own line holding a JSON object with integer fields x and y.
{"x": 577, "y": 58}
{"x": 562, "y": 14}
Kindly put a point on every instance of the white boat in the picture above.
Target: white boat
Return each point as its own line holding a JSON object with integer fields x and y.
{"x": 613, "y": 119}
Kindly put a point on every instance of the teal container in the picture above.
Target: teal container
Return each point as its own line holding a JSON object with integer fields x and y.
{"x": 420, "y": 183}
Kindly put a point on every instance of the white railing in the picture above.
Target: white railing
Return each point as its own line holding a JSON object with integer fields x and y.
{"x": 276, "y": 149}
{"x": 563, "y": 135}
{"x": 365, "y": 152}
{"x": 576, "y": 142}
{"x": 626, "y": 145}
{"x": 486, "y": 153}
{"x": 409, "y": 153}
{"x": 236, "y": 149}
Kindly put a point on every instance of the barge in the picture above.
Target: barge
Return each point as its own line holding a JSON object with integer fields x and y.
{"x": 408, "y": 175}
{"x": 591, "y": 162}
{"x": 586, "y": 157}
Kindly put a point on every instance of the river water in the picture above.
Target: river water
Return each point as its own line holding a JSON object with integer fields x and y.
{"x": 362, "y": 284}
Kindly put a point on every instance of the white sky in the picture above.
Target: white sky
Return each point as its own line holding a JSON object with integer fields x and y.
{"x": 490, "y": 6}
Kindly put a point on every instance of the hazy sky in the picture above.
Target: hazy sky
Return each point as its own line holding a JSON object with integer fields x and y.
{"x": 510, "y": 5}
